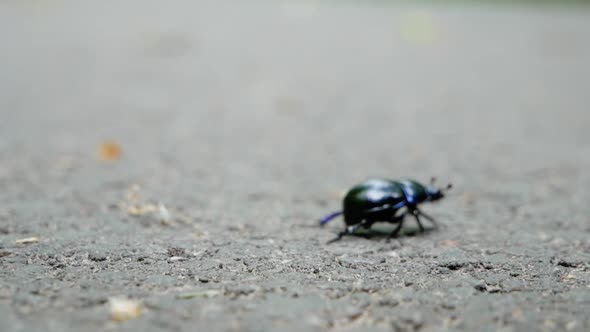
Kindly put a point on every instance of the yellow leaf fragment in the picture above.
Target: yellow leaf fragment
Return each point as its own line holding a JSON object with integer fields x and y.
{"x": 123, "y": 309}
{"x": 418, "y": 27}
{"x": 28, "y": 240}
{"x": 109, "y": 151}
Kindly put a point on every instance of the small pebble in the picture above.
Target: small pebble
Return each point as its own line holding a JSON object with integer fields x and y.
{"x": 176, "y": 251}
{"x": 388, "y": 302}
{"x": 95, "y": 257}
{"x": 480, "y": 287}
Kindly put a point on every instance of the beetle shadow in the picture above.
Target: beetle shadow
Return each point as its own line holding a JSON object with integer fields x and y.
{"x": 383, "y": 231}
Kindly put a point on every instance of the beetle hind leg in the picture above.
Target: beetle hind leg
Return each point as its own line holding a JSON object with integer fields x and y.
{"x": 398, "y": 228}
{"x": 400, "y": 222}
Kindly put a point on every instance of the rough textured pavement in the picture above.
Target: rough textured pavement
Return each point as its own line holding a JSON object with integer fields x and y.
{"x": 241, "y": 125}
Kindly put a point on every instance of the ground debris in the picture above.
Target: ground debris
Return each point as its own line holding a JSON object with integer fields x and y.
{"x": 449, "y": 244}
{"x": 572, "y": 261}
{"x": 408, "y": 322}
{"x": 163, "y": 213}
{"x": 176, "y": 252}
{"x": 65, "y": 163}
{"x": 135, "y": 206}
{"x": 209, "y": 293}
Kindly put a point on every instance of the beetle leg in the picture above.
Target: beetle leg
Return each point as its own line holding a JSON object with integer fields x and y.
{"x": 398, "y": 228}
{"x": 329, "y": 217}
{"x": 416, "y": 214}
{"x": 429, "y": 218}
{"x": 347, "y": 231}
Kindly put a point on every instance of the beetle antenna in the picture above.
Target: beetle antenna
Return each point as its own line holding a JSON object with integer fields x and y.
{"x": 448, "y": 187}
{"x": 329, "y": 217}
{"x": 432, "y": 180}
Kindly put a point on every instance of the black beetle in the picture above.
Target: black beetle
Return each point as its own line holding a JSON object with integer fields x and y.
{"x": 379, "y": 200}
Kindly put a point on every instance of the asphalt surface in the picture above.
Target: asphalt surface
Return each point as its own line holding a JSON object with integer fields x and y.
{"x": 241, "y": 125}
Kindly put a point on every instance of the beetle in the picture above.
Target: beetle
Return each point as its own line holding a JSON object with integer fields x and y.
{"x": 382, "y": 200}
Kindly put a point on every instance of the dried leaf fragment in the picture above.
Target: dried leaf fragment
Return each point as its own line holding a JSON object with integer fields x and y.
{"x": 109, "y": 151}
{"x": 418, "y": 28}
{"x": 134, "y": 205}
{"x": 28, "y": 240}
{"x": 139, "y": 210}
{"x": 569, "y": 277}
{"x": 123, "y": 309}
{"x": 449, "y": 243}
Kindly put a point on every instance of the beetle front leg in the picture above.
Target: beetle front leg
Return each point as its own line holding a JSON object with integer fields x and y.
{"x": 329, "y": 217}
{"x": 429, "y": 218}
{"x": 347, "y": 231}
{"x": 416, "y": 214}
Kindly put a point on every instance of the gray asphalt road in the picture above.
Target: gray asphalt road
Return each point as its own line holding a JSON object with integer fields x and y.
{"x": 241, "y": 125}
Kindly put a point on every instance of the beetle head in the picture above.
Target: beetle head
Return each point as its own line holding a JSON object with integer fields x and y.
{"x": 435, "y": 193}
